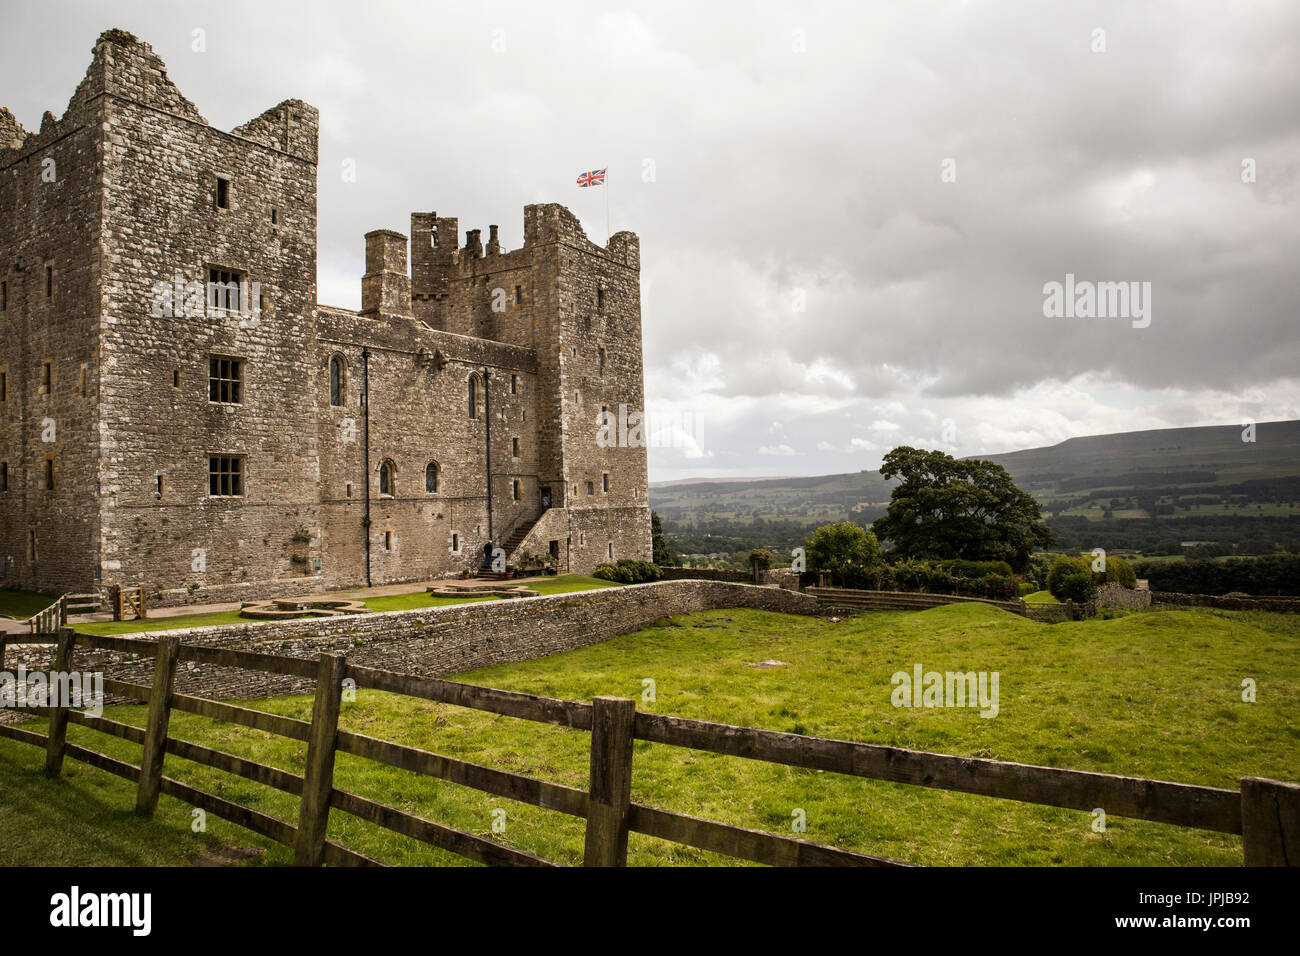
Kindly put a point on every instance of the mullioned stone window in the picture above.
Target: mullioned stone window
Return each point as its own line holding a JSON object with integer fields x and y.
{"x": 225, "y": 476}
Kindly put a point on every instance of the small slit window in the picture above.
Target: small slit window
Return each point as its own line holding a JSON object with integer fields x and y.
{"x": 223, "y": 193}
{"x": 386, "y": 475}
{"x": 336, "y": 380}
{"x": 431, "y": 477}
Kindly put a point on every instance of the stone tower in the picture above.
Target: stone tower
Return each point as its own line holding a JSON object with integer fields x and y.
{"x": 176, "y": 409}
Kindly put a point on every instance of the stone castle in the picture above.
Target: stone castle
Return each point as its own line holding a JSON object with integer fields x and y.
{"x": 177, "y": 410}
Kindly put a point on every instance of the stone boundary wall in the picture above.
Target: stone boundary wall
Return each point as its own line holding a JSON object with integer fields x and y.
{"x": 1282, "y": 605}
{"x": 1113, "y": 594}
{"x": 428, "y": 642}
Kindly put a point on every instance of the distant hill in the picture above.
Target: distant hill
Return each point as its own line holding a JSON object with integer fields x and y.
{"x": 1201, "y": 484}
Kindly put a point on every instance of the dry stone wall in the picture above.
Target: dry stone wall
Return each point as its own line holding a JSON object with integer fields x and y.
{"x": 435, "y": 641}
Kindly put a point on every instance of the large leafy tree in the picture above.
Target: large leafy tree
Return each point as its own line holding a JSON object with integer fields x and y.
{"x": 949, "y": 508}
{"x": 846, "y": 551}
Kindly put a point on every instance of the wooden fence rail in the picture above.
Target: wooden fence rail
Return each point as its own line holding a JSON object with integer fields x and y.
{"x": 1266, "y": 813}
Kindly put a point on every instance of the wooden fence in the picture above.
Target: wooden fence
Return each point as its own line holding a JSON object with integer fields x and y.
{"x": 1266, "y": 813}
{"x": 50, "y": 620}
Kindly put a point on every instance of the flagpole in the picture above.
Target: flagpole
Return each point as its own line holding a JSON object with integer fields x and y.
{"x": 606, "y": 208}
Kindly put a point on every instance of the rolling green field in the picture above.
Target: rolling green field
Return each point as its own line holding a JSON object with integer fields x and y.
{"x": 1153, "y": 694}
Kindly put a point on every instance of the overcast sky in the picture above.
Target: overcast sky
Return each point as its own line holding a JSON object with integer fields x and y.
{"x": 848, "y": 211}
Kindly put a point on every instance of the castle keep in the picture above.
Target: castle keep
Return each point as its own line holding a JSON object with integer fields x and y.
{"x": 177, "y": 410}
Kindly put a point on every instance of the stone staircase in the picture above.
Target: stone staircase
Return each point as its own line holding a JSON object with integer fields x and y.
{"x": 517, "y": 537}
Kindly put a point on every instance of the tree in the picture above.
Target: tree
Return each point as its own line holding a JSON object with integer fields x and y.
{"x": 846, "y": 551}
{"x": 948, "y": 508}
{"x": 760, "y": 559}
{"x": 660, "y": 550}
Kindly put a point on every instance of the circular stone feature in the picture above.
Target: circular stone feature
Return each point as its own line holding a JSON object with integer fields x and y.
{"x": 300, "y": 607}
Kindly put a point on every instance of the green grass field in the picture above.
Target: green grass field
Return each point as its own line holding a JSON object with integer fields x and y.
{"x": 21, "y": 605}
{"x": 1154, "y": 694}
{"x": 391, "y": 602}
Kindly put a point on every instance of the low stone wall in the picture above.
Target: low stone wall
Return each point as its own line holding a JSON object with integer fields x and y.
{"x": 1113, "y": 594}
{"x": 428, "y": 642}
{"x": 1282, "y": 605}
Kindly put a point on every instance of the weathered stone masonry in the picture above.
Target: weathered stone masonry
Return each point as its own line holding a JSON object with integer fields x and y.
{"x": 359, "y": 459}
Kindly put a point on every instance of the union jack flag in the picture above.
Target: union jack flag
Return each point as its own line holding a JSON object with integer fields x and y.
{"x": 594, "y": 178}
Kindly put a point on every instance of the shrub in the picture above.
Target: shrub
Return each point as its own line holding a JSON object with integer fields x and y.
{"x": 1062, "y": 568}
{"x": 975, "y": 569}
{"x": 760, "y": 559}
{"x": 628, "y": 571}
{"x": 1118, "y": 571}
{"x": 1077, "y": 586}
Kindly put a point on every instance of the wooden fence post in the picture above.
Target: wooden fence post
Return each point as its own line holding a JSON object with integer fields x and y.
{"x": 318, "y": 781}
{"x": 1270, "y": 822}
{"x": 608, "y": 808}
{"x": 155, "y": 735}
{"x": 58, "y": 732}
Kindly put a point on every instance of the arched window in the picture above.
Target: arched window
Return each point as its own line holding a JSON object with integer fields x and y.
{"x": 337, "y": 380}
{"x": 473, "y": 396}
{"x": 431, "y": 477}
{"x": 386, "y": 475}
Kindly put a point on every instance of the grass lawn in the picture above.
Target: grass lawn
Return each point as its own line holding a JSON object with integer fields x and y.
{"x": 21, "y": 605}
{"x": 1041, "y": 597}
{"x": 1154, "y": 694}
{"x": 391, "y": 602}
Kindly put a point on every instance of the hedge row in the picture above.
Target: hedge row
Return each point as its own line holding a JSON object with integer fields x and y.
{"x": 1268, "y": 574}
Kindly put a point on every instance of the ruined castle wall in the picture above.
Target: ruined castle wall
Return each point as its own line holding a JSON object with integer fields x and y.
{"x": 163, "y": 217}
{"x": 50, "y": 211}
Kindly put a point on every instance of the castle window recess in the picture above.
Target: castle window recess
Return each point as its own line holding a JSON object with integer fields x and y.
{"x": 347, "y": 490}
{"x": 337, "y": 381}
{"x": 223, "y": 193}
{"x": 455, "y": 543}
{"x": 49, "y": 282}
{"x": 224, "y": 289}
{"x": 4, "y": 476}
{"x": 591, "y": 488}
{"x": 49, "y": 474}
{"x": 225, "y": 476}
{"x": 514, "y": 489}
{"x": 225, "y": 380}
{"x": 388, "y": 541}
{"x": 4, "y": 296}
{"x": 386, "y": 478}
{"x": 4, "y": 387}
{"x": 514, "y": 384}
{"x": 519, "y": 295}
{"x": 473, "y": 398}
{"x": 47, "y": 377}
{"x": 176, "y": 378}
{"x": 604, "y": 479}
{"x": 158, "y": 486}
{"x": 514, "y": 447}
{"x": 274, "y": 216}
{"x": 431, "y": 477}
